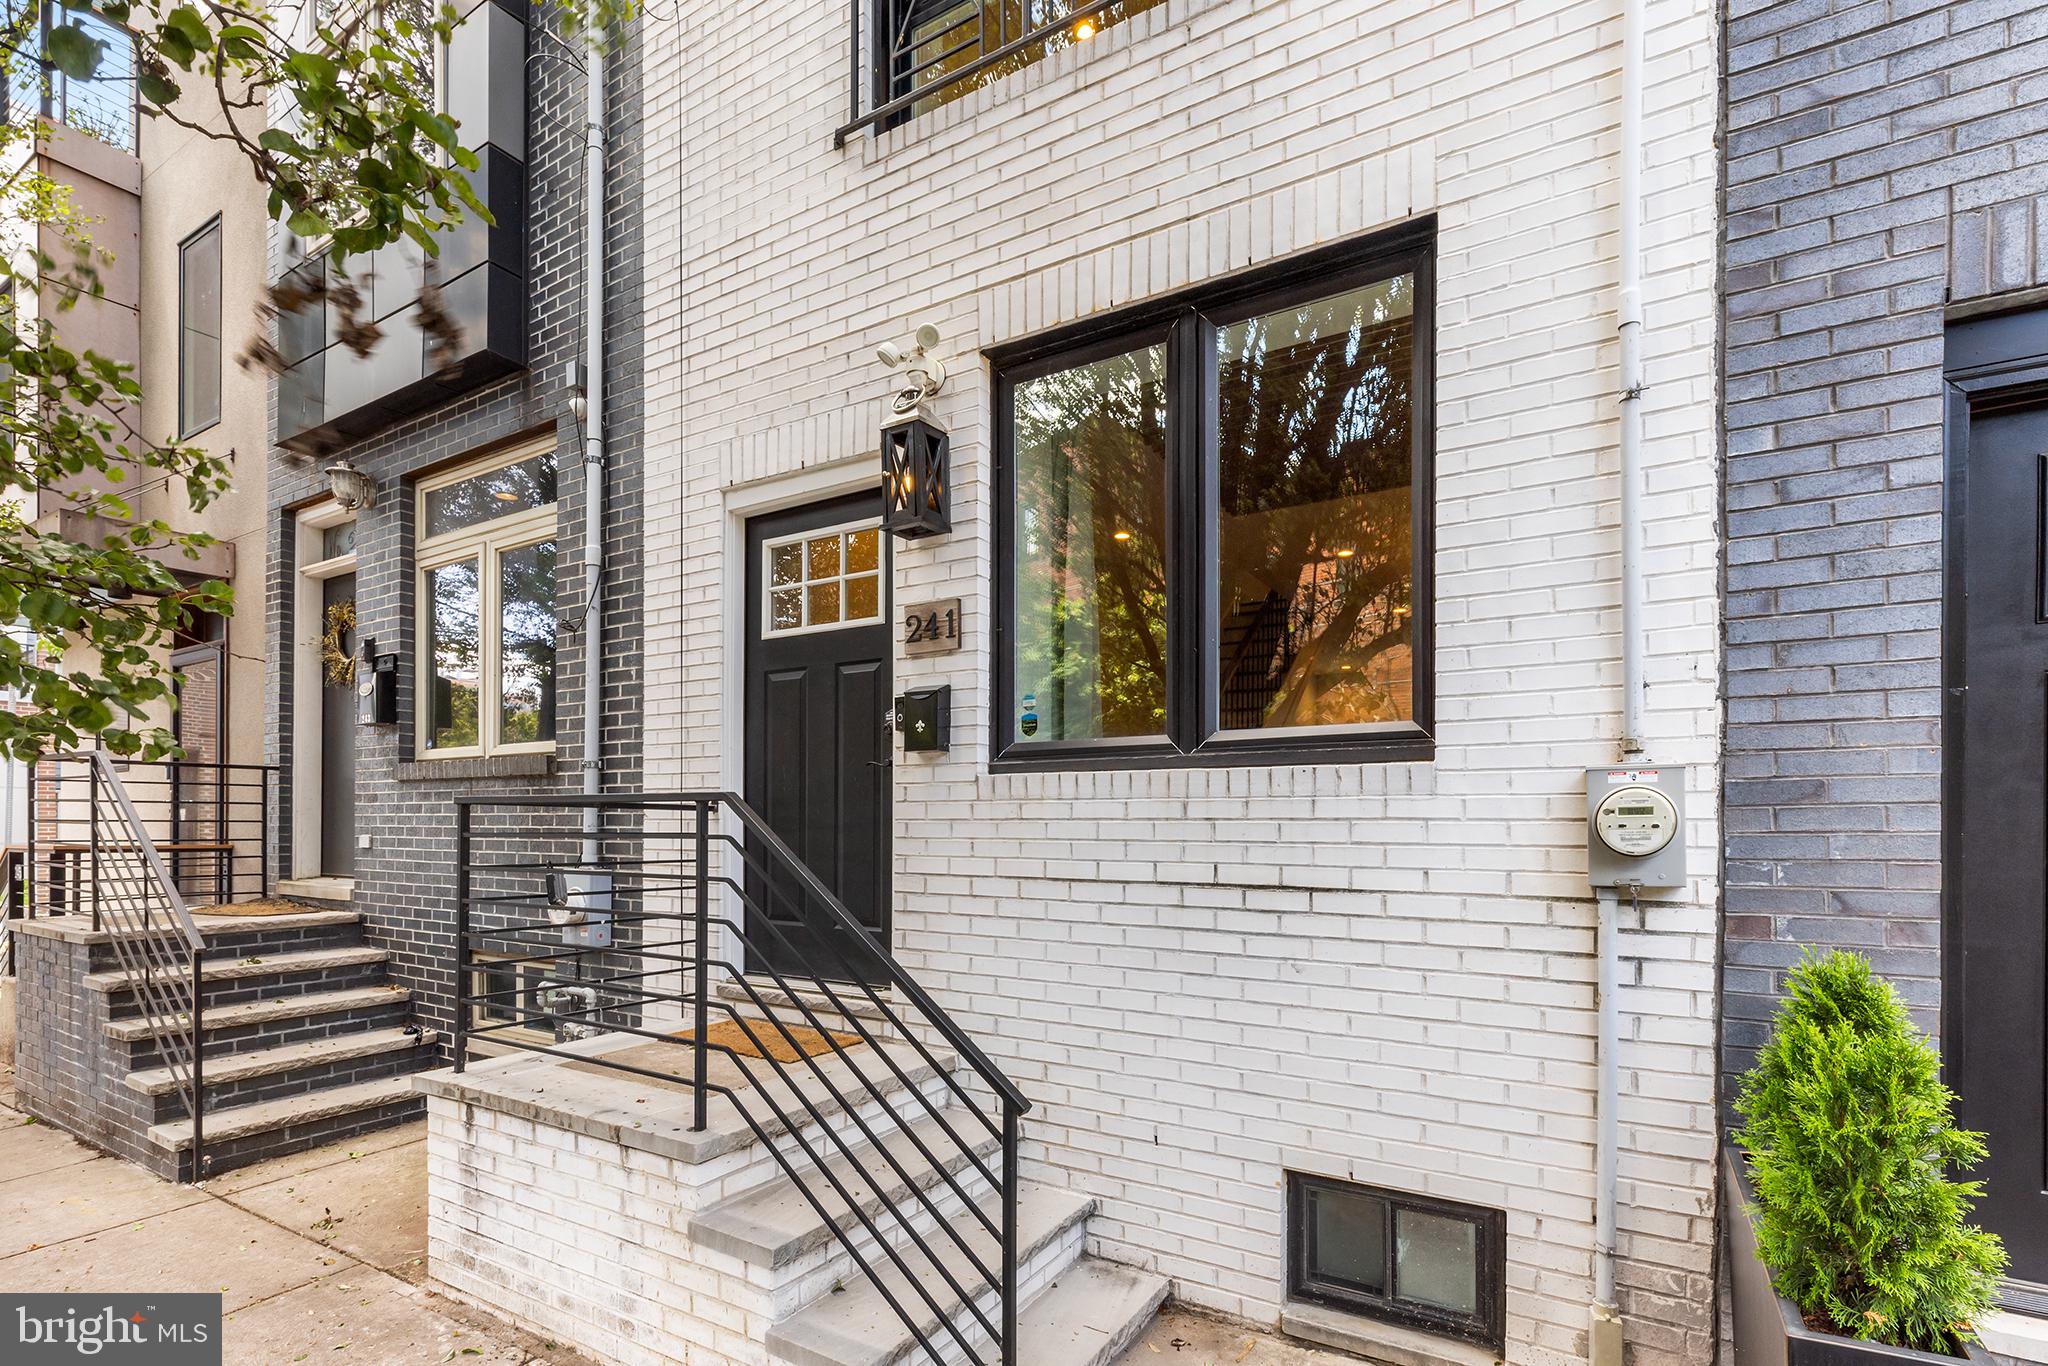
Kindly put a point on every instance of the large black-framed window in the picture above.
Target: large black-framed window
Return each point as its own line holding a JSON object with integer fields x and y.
{"x": 199, "y": 330}
{"x": 1215, "y": 522}
{"x": 1437, "y": 1265}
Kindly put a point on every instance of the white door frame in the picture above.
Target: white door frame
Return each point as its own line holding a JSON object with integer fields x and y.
{"x": 308, "y": 625}
{"x": 856, "y": 474}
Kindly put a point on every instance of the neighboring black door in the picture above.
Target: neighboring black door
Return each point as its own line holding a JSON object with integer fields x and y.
{"x": 1996, "y": 958}
{"x": 817, "y": 685}
{"x": 337, "y": 744}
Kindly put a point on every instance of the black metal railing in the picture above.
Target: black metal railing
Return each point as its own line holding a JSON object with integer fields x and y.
{"x": 210, "y": 824}
{"x": 129, "y": 892}
{"x": 13, "y": 901}
{"x": 688, "y": 884}
{"x": 913, "y": 55}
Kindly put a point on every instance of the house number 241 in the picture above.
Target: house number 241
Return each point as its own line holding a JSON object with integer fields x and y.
{"x": 932, "y": 628}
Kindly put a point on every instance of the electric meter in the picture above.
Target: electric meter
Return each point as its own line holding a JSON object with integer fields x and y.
{"x": 1633, "y": 819}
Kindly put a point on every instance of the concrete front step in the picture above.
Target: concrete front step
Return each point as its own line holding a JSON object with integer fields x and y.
{"x": 773, "y": 1225}
{"x": 858, "y": 1327}
{"x": 265, "y": 1062}
{"x": 293, "y": 1112}
{"x": 257, "y": 965}
{"x": 1089, "y": 1315}
{"x": 140, "y": 1028}
{"x": 790, "y": 1005}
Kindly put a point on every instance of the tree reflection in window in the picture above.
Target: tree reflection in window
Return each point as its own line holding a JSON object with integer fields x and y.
{"x": 455, "y": 646}
{"x": 1315, "y": 529}
{"x": 496, "y": 493}
{"x": 526, "y": 654}
{"x": 1090, "y": 659}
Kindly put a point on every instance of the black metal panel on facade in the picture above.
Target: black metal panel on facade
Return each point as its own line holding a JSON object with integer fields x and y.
{"x": 331, "y": 396}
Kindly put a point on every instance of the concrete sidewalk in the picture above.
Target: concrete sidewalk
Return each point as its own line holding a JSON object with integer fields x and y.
{"x": 318, "y": 1256}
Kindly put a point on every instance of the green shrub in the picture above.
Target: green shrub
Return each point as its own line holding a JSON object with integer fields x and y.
{"x": 1851, "y": 1139}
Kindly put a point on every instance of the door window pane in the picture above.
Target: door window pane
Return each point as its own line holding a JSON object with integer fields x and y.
{"x": 1089, "y": 653}
{"x": 453, "y": 646}
{"x": 1316, "y": 569}
{"x": 526, "y": 650}
{"x": 199, "y": 330}
{"x": 485, "y": 497}
{"x": 824, "y": 578}
{"x": 1436, "y": 1260}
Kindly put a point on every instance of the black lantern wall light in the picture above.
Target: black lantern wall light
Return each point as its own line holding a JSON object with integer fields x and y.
{"x": 915, "y": 481}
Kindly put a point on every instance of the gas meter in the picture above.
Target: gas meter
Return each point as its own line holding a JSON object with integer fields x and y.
{"x": 1634, "y": 818}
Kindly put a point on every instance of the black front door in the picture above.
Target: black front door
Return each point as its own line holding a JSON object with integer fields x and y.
{"x": 1996, "y": 958}
{"x": 817, "y": 687}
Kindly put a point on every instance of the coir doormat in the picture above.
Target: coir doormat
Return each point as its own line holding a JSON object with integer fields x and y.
{"x": 787, "y": 1043}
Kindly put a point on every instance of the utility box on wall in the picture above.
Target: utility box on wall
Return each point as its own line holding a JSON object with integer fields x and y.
{"x": 1635, "y": 826}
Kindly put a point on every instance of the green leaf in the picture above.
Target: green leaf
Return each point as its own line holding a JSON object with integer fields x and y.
{"x": 73, "y": 51}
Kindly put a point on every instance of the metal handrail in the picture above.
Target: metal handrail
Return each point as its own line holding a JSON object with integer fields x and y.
{"x": 632, "y": 974}
{"x": 128, "y": 882}
{"x": 948, "y": 1029}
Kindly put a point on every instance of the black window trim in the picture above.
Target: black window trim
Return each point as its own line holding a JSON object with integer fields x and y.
{"x": 1187, "y": 321}
{"x": 186, "y": 428}
{"x": 1487, "y": 1328}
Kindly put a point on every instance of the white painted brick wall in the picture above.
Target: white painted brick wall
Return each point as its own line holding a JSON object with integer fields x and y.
{"x": 1204, "y": 977}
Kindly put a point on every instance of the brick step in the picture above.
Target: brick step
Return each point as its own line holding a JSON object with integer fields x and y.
{"x": 300, "y": 1113}
{"x": 285, "y": 1058}
{"x": 857, "y": 1327}
{"x": 141, "y": 1028}
{"x": 773, "y": 1225}
{"x": 240, "y": 935}
{"x": 256, "y": 965}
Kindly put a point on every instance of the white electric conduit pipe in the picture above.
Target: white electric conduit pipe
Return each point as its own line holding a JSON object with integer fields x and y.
{"x": 1605, "y": 1335}
{"x": 593, "y": 433}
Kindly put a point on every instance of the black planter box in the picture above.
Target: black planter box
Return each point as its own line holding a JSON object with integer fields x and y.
{"x": 1768, "y": 1328}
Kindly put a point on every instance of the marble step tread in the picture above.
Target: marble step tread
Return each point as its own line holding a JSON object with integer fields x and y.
{"x": 266, "y": 1062}
{"x": 256, "y": 965}
{"x": 134, "y": 1029}
{"x": 856, "y": 1326}
{"x": 773, "y": 1224}
{"x": 1089, "y": 1315}
{"x": 241, "y": 1121}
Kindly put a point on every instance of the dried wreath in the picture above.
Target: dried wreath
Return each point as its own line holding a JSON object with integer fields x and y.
{"x": 335, "y": 658}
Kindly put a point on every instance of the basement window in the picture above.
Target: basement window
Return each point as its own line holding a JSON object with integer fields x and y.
{"x": 506, "y": 998}
{"x": 1413, "y": 1260}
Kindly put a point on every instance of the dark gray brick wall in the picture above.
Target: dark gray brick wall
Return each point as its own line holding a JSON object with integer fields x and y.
{"x": 404, "y": 881}
{"x": 1884, "y": 162}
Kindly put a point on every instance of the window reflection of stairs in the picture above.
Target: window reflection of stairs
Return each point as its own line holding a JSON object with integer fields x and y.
{"x": 1257, "y": 650}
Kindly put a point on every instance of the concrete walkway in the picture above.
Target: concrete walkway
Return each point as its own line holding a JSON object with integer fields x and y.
{"x": 318, "y": 1256}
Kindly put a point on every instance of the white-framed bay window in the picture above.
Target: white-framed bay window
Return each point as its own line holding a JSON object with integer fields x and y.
{"x": 485, "y": 565}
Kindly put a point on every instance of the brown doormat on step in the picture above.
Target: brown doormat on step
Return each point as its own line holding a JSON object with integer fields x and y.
{"x": 258, "y": 908}
{"x": 786, "y": 1044}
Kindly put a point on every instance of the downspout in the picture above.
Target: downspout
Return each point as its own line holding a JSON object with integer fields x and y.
{"x": 1605, "y": 1327}
{"x": 593, "y": 433}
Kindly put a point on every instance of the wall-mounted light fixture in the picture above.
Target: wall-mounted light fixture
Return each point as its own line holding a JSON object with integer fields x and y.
{"x": 350, "y": 486}
{"x": 914, "y": 479}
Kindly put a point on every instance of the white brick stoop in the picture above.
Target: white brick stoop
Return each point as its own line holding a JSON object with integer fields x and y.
{"x": 579, "y": 1203}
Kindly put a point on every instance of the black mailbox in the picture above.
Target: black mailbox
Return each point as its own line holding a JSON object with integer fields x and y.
{"x": 376, "y": 686}
{"x": 924, "y": 718}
